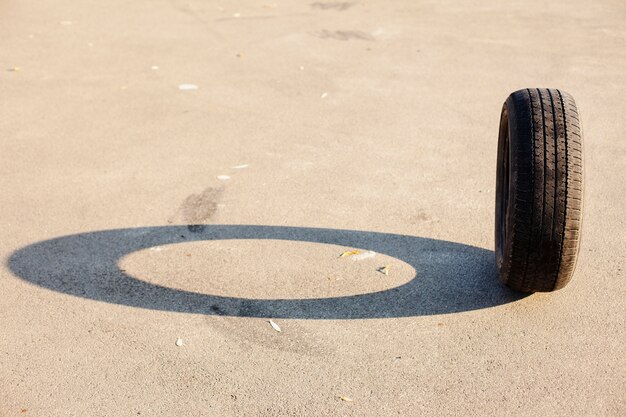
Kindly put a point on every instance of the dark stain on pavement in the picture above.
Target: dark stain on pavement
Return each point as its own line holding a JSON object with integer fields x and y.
{"x": 198, "y": 208}
{"x": 332, "y": 5}
{"x": 343, "y": 35}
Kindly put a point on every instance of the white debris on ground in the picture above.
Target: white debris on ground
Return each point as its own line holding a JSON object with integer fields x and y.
{"x": 223, "y": 177}
{"x": 187, "y": 87}
{"x": 275, "y": 326}
{"x": 179, "y": 342}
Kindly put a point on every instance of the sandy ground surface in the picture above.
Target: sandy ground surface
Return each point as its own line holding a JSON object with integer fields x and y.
{"x": 333, "y": 126}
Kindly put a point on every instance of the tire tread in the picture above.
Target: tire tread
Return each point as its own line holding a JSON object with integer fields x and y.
{"x": 546, "y": 190}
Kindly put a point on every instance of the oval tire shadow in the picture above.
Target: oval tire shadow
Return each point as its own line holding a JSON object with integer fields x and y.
{"x": 451, "y": 277}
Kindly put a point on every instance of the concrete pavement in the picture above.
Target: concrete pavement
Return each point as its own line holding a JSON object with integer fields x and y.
{"x": 136, "y": 213}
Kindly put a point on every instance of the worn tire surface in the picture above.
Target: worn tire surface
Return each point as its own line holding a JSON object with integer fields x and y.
{"x": 539, "y": 190}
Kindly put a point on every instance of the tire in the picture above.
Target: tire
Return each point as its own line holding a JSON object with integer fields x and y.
{"x": 539, "y": 190}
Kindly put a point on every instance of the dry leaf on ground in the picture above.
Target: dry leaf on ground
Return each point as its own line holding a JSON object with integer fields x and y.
{"x": 364, "y": 255}
{"x": 350, "y": 253}
{"x": 384, "y": 269}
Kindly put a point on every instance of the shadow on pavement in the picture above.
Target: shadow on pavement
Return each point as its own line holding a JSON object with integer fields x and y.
{"x": 451, "y": 277}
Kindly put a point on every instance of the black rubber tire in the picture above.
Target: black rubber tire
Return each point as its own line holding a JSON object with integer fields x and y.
{"x": 539, "y": 190}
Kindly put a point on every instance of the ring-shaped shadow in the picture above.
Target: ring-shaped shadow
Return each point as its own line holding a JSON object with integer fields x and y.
{"x": 450, "y": 277}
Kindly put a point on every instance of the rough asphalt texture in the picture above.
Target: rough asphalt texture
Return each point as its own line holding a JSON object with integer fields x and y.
{"x": 363, "y": 125}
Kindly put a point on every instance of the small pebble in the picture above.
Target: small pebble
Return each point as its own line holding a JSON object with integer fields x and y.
{"x": 324, "y": 95}
{"x": 179, "y": 342}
